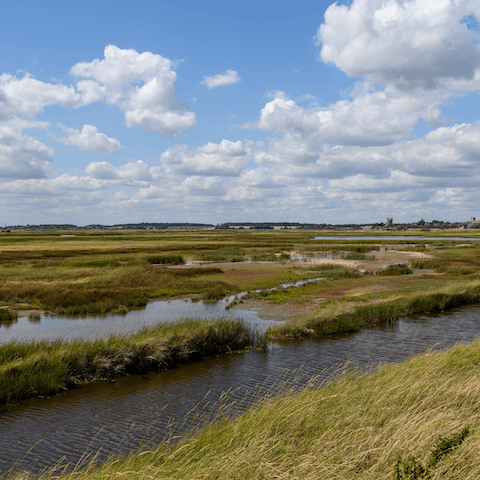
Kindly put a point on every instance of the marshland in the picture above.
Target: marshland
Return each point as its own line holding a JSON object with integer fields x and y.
{"x": 317, "y": 297}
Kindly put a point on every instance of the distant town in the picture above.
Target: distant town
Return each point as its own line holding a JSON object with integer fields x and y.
{"x": 388, "y": 225}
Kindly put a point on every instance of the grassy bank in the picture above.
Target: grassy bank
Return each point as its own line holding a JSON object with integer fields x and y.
{"x": 30, "y": 369}
{"x": 342, "y": 318}
{"x": 414, "y": 420}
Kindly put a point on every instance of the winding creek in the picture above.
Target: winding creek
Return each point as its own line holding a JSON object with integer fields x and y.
{"x": 104, "y": 418}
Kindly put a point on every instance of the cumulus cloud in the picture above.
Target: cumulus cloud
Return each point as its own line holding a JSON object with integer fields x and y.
{"x": 142, "y": 85}
{"x": 414, "y": 43}
{"x": 221, "y": 79}
{"x": 90, "y": 139}
{"x": 223, "y": 159}
{"x": 371, "y": 118}
{"x": 27, "y": 97}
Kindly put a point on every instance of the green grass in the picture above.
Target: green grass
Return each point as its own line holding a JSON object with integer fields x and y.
{"x": 380, "y": 425}
{"x": 29, "y": 369}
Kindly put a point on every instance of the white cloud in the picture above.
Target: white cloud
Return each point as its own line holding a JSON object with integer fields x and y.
{"x": 27, "y": 97}
{"x": 414, "y": 43}
{"x": 371, "y": 118}
{"x": 133, "y": 173}
{"x": 61, "y": 185}
{"x": 204, "y": 186}
{"x": 90, "y": 139}
{"x": 262, "y": 177}
{"x": 223, "y": 159}
{"x": 22, "y": 156}
{"x": 142, "y": 85}
{"x": 221, "y": 79}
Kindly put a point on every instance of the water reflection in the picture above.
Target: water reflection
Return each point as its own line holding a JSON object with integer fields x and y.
{"x": 8, "y": 323}
{"x": 119, "y": 416}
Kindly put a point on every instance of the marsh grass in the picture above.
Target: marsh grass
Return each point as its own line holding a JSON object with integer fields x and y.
{"x": 7, "y": 315}
{"x": 34, "y": 317}
{"x": 264, "y": 257}
{"x": 101, "y": 272}
{"x": 166, "y": 259}
{"x": 335, "y": 272}
{"x": 94, "y": 289}
{"x": 223, "y": 255}
{"x": 343, "y": 318}
{"x": 356, "y": 426}
{"x": 40, "y": 368}
{"x": 357, "y": 256}
{"x": 214, "y": 295}
{"x": 394, "y": 270}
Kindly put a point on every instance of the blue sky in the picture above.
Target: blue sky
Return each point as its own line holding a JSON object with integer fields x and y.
{"x": 112, "y": 112}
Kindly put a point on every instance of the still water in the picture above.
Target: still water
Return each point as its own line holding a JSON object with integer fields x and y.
{"x": 118, "y": 417}
{"x": 51, "y": 327}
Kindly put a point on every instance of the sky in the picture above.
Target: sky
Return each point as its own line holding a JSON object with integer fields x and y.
{"x": 214, "y": 111}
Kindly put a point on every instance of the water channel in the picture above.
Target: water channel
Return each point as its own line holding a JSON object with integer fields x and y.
{"x": 106, "y": 418}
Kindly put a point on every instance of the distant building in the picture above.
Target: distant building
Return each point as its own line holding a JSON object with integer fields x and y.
{"x": 474, "y": 223}
{"x": 389, "y": 222}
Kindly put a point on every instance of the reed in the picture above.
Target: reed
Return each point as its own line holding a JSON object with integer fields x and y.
{"x": 39, "y": 368}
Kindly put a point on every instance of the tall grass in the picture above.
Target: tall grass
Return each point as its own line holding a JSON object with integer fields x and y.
{"x": 343, "y": 318}
{"x": 371, "y": 426}
{"x": 29, "y": 369}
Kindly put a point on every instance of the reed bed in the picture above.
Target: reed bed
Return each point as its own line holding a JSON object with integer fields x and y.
{"x": 414, "y": 420}
{"x": 40, "y": 368}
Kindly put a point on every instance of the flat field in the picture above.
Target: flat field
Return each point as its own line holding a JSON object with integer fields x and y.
{"x": 362, "y": 282}
{"x": 113, "y": 271}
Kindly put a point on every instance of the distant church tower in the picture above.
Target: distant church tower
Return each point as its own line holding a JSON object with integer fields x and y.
{"x": 389, "y": 222}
